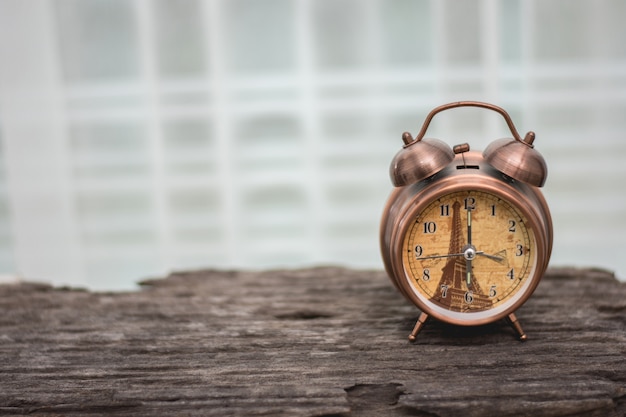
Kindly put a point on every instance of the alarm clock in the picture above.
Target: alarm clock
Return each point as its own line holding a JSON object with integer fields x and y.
{"x": 467, "y": 236}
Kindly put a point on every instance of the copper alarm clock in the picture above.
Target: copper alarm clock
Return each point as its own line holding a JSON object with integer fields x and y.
{"x": 467, "y": 236}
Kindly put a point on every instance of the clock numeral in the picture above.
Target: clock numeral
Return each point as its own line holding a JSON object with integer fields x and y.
{"x": 492, "y": 291}
{"x": 519, "y": 250}
{"x": 470, "y": 203}
{"x": 444, "y": 291}
{"x": 445, "y": 210}
{"x": 512, "y": 226}
{"x": 426, "y": 275}
{"x": 469, "y": 297}
{"x": 418, "y": 251}
{"x": 430, "y": 227}
{"x": 511, "y": 274}
{"x": 493, "y": 209}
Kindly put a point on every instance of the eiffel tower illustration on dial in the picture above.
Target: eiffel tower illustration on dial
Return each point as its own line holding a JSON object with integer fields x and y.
{"x": 459, "y": 290}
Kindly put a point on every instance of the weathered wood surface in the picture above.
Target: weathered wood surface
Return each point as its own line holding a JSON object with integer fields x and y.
{"x": 314, "y": 342}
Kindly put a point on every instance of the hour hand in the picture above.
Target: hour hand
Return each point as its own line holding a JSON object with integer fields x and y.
{"x": 499, "y": 257}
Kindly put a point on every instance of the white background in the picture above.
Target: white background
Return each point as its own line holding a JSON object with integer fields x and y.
{"x": 140, "y": 137}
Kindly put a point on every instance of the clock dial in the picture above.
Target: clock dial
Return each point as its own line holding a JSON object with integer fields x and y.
{"x": 469, "y": 251}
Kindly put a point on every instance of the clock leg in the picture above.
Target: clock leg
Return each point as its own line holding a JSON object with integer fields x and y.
{"x": 512, "y": 320}
{"x": 418, "y": 326}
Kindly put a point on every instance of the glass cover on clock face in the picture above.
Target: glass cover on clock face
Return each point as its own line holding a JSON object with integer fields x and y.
{"x": 469, "y": 251}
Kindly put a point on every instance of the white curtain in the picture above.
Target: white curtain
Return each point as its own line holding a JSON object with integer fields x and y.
{"x": 139, "y": 137}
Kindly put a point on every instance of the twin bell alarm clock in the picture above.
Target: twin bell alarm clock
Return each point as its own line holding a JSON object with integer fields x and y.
{"x": 466, "y": 236}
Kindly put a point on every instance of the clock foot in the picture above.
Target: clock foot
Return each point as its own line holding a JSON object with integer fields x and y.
{"x": 512, "y": 320}
{"x": 418, "y": 326}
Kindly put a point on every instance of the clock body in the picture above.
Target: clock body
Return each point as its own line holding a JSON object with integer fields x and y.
{"x": 467, "y": 245}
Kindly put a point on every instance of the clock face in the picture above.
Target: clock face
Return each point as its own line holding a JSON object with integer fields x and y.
{"x": 469, "y": 252}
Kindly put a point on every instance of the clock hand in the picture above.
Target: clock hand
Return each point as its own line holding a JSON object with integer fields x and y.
{"x": 469, "y": 226}
{"x": 493, "y": 257}
{"x": 468, "y": 257}
{"x": 450, "y": 255}
{"x": 496, "y": 257}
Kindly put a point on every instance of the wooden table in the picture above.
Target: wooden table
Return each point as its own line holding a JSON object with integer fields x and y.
{"x": 312, "y": 342}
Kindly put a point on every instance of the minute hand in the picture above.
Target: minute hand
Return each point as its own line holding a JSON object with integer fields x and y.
{"x": 468, "y": 259}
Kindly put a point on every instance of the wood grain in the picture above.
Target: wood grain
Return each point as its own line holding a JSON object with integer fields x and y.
{"x": 312, "y": 342}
